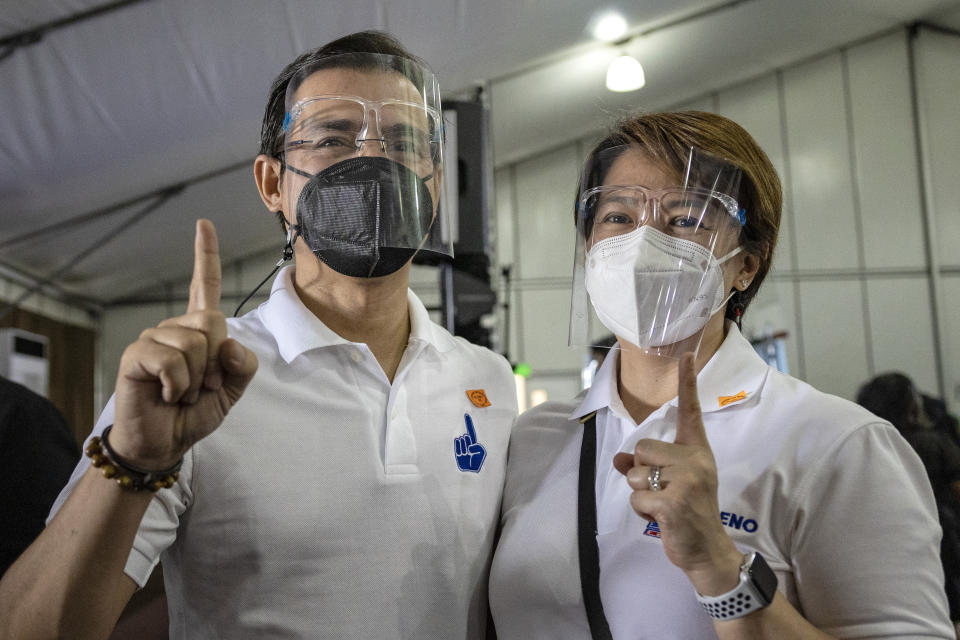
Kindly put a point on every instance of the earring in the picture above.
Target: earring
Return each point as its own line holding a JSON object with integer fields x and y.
{"x": 744, "y": 283}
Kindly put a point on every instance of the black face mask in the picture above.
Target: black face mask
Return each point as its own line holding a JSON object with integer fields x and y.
{"x": 365, "y": 216}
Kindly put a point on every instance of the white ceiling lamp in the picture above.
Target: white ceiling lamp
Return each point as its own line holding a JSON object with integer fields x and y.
{"x": 609, "y": 27}
{"x": 625, "y": 73}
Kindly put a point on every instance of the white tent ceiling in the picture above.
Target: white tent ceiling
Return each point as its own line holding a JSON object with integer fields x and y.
{"x": 101, "y": 115}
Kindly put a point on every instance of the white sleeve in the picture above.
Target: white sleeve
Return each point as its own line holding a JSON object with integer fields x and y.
{"x": 158, "y": 529}
{"x": 866, "y": 547}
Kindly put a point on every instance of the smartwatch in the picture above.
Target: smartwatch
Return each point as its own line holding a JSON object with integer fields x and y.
{"x": 757, "y": 586}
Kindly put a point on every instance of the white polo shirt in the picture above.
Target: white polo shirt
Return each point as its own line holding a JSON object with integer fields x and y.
{"x": 835, "y": 500}
{"x": 330, "y": 503}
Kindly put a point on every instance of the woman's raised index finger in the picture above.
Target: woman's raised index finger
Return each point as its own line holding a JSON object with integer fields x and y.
{"x": 690, "y": 428}
{"x": 205, "y": 285}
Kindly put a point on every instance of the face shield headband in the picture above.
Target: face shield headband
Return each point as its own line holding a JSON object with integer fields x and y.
{"x": 651, "y": 242}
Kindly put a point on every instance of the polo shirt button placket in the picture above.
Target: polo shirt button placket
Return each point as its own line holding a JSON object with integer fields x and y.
{"x": 400, "y": 453}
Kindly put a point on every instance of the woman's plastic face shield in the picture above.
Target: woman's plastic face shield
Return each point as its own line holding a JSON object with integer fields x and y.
{"x": 371, "y": 105}
{"x": 622, "y": 190}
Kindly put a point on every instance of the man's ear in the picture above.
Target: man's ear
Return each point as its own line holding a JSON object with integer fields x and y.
{"x": 267, "y": 172}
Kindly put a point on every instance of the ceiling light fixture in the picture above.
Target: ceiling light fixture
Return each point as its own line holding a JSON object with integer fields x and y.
{"x": 625, "y": 73}
{"x": 609, "y": 27}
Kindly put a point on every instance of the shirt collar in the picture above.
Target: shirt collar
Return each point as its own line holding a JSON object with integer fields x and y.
{"x": 296, "y": 330}
{"x": 734, "y": 375}
{"x": 422, "y": 328}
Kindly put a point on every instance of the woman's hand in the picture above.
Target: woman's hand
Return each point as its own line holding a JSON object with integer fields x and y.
{"x": 177, "y": 382}
{"x": 685, "y": 506}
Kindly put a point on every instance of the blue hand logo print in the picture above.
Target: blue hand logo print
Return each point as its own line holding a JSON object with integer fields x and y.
{"x": 470, "y": 453}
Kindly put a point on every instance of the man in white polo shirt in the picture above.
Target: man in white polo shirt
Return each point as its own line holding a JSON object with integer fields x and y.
{"x": 354, "y": 489}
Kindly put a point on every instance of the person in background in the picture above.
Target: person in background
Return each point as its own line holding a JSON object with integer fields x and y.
{"x": 940, "y": 418}
{"x": 893, "y": 397}
{"x": 37, "y": 454}
{"x": 353, "y": 490}
{"x": 693, "y": 491}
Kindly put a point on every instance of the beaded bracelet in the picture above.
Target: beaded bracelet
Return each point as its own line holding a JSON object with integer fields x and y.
{"x": 128, "y": 476}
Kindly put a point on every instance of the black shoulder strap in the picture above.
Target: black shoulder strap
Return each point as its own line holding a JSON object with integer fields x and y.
{"x": 587, "y": 531}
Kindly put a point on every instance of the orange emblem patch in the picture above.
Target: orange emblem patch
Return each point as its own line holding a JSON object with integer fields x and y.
{"x": 478, "y": 397}
{"x": 725, "y": 400}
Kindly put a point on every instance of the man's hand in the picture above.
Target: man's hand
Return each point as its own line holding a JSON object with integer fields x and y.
{"x": 177, "y": 382}
{"x": 686, "y": 506}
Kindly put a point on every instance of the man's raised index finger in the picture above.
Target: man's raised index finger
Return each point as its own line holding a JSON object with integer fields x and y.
{"x": 205, "y": 285}
{"x": 689, "y": 420}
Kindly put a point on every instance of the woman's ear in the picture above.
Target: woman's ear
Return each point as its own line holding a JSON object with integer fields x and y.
{"x": 266, "y": 172}
{"x": 749, "y": 265}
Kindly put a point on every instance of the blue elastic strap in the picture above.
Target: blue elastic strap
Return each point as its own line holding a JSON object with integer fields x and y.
{"x": 742, "y": 216}
{"x": 286, "y": 121}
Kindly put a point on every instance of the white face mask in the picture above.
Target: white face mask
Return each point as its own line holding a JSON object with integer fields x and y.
{"x": 653, "y": 289}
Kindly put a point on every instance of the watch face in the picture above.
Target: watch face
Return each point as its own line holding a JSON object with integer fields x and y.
{"x": 762, "y": 577}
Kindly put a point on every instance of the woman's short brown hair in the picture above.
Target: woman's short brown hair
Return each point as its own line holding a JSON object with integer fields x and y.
{"x": 667, "y": 137}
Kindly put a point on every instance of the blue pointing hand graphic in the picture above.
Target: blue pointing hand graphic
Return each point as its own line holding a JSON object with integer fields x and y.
{"x": 470, "y": 453}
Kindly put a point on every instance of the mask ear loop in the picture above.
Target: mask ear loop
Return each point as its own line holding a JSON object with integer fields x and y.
{"x": 738, "y": 305}
{"x": 292, "y": 234}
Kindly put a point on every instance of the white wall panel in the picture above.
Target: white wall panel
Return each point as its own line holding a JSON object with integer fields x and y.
{"x": 120, "y": 326}
{"x": 703, "y": 103}
{"x": 545, "y": 190}
{"x": 557, "y": 388}
{"x": 511, "y": 327}
{"x": 756, "y": 107}
{"x": 239, "y": 280}
{"x": 887, "y": 176}
{"x": 901, "y": 329}
{"x": 950, "y": 336}
{"x": 938, "y": 89}
{"x": 246, "y": 275}
{"x": 545, "y": 321}
{"x": 774, "y": 311}
{"x": 820, "y": 165}
{"x": 835, "y": 353}
{"x": 938, "y": 58}
{"x": 504, "y": 215}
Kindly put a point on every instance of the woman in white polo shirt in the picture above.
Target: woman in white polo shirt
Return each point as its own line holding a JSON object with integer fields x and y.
{"x": 747, "y": 505}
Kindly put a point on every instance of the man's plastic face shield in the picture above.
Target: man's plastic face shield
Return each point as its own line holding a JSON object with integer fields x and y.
{"x": 322, "y": 130}
{"x": 370, "y": 105}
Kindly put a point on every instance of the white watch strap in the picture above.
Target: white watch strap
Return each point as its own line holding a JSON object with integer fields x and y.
{"x": 736, "y": 603}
